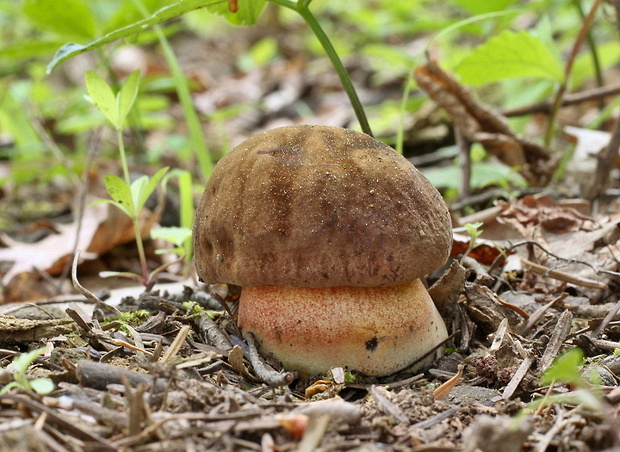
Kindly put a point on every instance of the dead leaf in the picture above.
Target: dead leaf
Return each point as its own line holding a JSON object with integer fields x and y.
{"x": 482, "y": 124}
{"x": 542, "y": 210}
{"x": 103, "y": 227}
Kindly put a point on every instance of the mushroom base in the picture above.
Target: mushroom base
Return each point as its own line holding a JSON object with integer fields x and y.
{"x": 373, "y": 330}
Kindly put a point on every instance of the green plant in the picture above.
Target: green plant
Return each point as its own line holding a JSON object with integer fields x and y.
{"x": 245, "y": 12}
{"x": 179, "y": 236}
{"x": 566, "y": 369}
{"x": 126, "y": 195}
{"x": 474, "y": 231}
{"x": 19, "y": 366}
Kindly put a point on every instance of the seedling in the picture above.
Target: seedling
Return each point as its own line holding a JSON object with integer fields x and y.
{"x": 566, "y": 369}
{"x": 474, "y": 231}
{"x": 20, "y": 364}
{"x": 126, "y": 195}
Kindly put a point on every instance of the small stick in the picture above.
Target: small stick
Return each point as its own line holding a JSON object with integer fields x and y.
{"x": 608, "y": 318}
{"x": 87, "y": 293}
{"x": 512, "y": 386}
{"x": 569, "y": 99}
{"x": 263, "y": 371}
{"x": 535, "y": 317}
{"x": 561, "y": 330}
{"x": 176, "y": 345}
{"x": 562, "y": 276}
{"x": 212, "y": 332}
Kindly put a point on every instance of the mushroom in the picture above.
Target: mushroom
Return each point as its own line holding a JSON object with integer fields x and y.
{"x": 328, "y": 231}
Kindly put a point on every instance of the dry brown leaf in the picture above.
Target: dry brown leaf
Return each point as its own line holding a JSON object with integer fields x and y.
{"x": 482, "y": 124}
{"x": 103, "y": 228}
{"x": 543, "y": 211}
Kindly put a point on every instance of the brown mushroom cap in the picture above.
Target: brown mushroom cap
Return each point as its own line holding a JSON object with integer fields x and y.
{"x": 314, "y": 206}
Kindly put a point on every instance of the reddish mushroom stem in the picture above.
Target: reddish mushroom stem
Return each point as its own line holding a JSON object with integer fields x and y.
{"x": 375, "y": 330}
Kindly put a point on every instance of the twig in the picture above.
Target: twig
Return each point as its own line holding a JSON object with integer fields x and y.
{"x": 87, "y": 293}
{"x": 263, "y": 371}
{"x": 608, "y": 318}
{"x": 176, "y": 345}
{"x": 557, "y": 102}
{"x": 432, "y": 350}
{"x": 605, "y": 160}
{"x": 535, "y": 317}
{"x": 514, "y": 382}
{"x": 561, "y": 330}
{"x": 464, "y": 163}
{"x": 205, "y": 323}
{"x": 545, "y": 250}
{"x": 380, "y": 396}
{"x": 569, "y": 99}
{"x": 428, "y": 423}
{"x": 562, "y": 276}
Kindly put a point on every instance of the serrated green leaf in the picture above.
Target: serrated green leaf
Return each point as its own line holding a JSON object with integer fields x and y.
{"x": 120, "y": 193}
{"x": 103, "y": 97}
{"x": 247, "y": 13}
{"x": 127, "y": 95}
{"x": 510, "y": 55}
{"x": 168, "y": 12}
{"x": 72, "y": 19}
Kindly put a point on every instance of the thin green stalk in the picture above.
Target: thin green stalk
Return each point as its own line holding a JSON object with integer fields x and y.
{"x": 187, "y": 210}
{"x": 198, "y": 141}
{"x": 400, "y": 133}
{"x": 121, "y": 148}
{"x": 197, "y": 138}
{"x": 136, "y": 215}
{"x": 140, "y": 245}
{"x": 302, "y": 9}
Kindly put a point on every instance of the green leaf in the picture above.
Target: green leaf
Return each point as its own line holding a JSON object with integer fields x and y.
{"x": 510, "y": 55}
{"x": 142, "y": 188}
{"x": 248, "y": 12}
{"x": 42, "y": 386}
{"x": 487, "y": 6}
{"x": 103, "y": 97}
{"x": 168, "y": 12}
{"x": 566, "y": 368}
{"x": 72, "y": 19}
{"x": 120, "y": 193}
{"x": 21, "y": 362}
{"x": 127, "y": 95}
{"x": 172, "y": 234}
{"x": 114, "y": 203}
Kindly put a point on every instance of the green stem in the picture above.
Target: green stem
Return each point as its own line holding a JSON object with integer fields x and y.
{"x": 141, "y": 254}
{"x": 197, "y": 138}
{"x": 400, "y": 133}
{"x": 301, "y": 8}
{"x": 134, "y": 215}
{"x": 121, "y": 148}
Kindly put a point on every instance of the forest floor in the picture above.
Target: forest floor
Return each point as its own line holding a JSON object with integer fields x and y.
{"x": 175, "y": 375}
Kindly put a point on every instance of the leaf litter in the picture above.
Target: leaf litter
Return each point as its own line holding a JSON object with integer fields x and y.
{"x": 180, "y": 376}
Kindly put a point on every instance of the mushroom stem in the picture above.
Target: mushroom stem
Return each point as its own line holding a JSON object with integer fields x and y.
{"x": 375, "y": 330}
